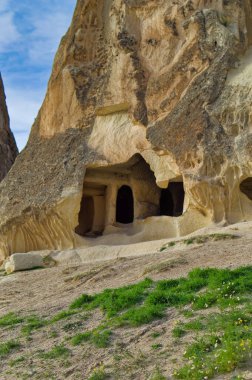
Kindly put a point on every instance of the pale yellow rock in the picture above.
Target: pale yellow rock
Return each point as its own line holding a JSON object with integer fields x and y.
{"x": 8, "y": 148}
{"x": 23, "y": 261}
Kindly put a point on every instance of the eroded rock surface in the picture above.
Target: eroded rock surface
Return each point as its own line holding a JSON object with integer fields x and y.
{"x": 8, "y": 148}
{"x": 142, "y": 94}
{"x": 23, "y": 261}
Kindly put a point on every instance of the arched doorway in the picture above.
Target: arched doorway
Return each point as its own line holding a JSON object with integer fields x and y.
{"x": 246, "y": 187}
{"x": 125, "y": 205}
{"x": 172, "y": 199}
{"x": 86, "y": 216}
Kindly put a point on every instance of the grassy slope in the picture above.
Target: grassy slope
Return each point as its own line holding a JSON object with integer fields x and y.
{"x": 213, "y": 328}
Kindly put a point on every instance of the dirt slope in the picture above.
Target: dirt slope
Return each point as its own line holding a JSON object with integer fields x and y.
{"x": 135, "y": 352}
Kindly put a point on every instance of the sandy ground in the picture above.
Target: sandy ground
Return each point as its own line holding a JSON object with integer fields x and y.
{"x": 47, "y": 291}
{"x": 54, "y": 288}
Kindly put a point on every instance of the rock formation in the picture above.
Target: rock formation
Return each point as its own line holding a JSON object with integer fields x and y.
{"x": 23, "y": 261}
{"x": 145, "y": 131}
{"x": 8, "y": 148}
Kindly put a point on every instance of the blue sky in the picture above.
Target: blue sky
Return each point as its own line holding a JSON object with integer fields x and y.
{"x": 30, "y": 32}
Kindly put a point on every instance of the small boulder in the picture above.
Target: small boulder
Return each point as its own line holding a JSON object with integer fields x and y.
{"x": 23, "y": 261}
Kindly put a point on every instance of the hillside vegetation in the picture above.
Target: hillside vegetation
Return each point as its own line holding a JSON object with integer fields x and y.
{"x": 197, "y": 327}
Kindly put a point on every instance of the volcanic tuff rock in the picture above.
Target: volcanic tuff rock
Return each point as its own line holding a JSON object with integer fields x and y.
{"x": 8, "y": 148}
{"x": 146, "y": 93}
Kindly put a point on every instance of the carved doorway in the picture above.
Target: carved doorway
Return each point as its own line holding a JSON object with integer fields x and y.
{"x": 125, "y": 205}
{"x": 172, "y": 199}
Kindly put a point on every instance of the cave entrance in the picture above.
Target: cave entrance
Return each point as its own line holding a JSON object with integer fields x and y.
{"x": 125, "y": 205}
{"x": 172, "y": 199}
{"x": 92, "y": 210}
{"x": 246, "y": 187}
{"x": 86, "y": 216}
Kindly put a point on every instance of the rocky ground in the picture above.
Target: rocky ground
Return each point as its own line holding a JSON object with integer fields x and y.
{"x": 148, "y": 351}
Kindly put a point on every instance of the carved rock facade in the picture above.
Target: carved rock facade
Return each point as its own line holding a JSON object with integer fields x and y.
{"x": 145, "y": 131}
{"x": 8, "y": 148}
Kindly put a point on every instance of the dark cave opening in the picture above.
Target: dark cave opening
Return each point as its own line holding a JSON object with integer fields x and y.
{"x": 125, "y": 205}
{"x": 86, "y": 216}
{"x": 172, "y": 199}
{"x": 246, "y": 187}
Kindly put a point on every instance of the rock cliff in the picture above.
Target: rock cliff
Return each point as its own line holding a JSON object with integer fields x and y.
{"x": 145, "y": 130}
{"x": 8, "y": 148}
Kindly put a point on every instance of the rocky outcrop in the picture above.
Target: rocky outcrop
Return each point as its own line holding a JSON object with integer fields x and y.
{"x": 8, "y": 148}
{"x": 152, "y": 95}
{"x": 23, "y": 261}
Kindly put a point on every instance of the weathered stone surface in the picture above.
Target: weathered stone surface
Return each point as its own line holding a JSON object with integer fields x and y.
{"x": 23, "y": 261}
{"x": 8, "y": 148}
{"x": 165, "y": 82}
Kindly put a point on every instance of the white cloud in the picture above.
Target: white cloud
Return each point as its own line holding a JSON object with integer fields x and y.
{"x": 23, "y": 106}
{"x": 4, "y": 5}
{"x": 9, "y": 33}
{"x": 8, "y": 30}
{"x": 30, "y": 32}
{"x": 48, "y": 30}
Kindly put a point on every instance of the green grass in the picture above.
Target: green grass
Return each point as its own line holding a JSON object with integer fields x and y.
{"x": 113, "y": 301}
{"x": 156, "y": 346}
{"x": 225, "y": 345}
{"x": 80, "y": 338}
{"x": 63, "y": 315}
{"x": 146, "y": 301}
{"x": 56, "y": 352}
{"x": 98, "y": 374}
{"x": 156, "y": 334}
{"x": 178, "y": 332}
{"x": 10, "y": 319}
{"x": 14, "y": 362}
{"x": 140, "y": 315}
{"x": 33, "y": 323}
{"x": 157, "y": 375}
{"x": 99, "y": 337}
{"x": 8, "y": 347}
{"x": 222, "y": 338}
{"x": 194, "y": 325}
{"x": 83, "y": 301}
{"x": 53, "y": 334}
{"x": 72, "y": 326}
{"x": 188, "y": 313}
